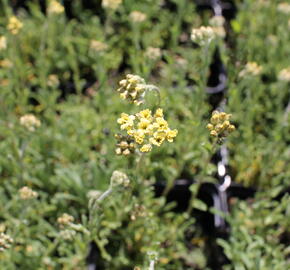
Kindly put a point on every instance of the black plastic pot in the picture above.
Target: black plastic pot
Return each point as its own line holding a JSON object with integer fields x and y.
{"x": 217, "y": 80}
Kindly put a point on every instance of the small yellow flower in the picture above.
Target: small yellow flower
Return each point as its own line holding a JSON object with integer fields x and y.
{"x": 171, "y": 134}
{"x": 159, "y": 113}
{"x": 251, "y": 69}
{"x": 30, "y": 122}
{"x": 27, "y": 193}
{"x": 55, "y": 7}
{"x": 14, "y": 25}
{"x": 137, "y": 16}
{"x": 146, "y": 148}
{"x": 146, "y": 130}
{"x": 203, "y": 35}
{"x": 161, "y": 124}
{"x": 65, "y": 219}
{"x": 147, "y": 114}
{"x": 220, "y": 126}
{"x": 284, "y": 75}
{"x": 111, "y": 4}
{"x": 5, "y": 241}
{"x": 126, "y": 121}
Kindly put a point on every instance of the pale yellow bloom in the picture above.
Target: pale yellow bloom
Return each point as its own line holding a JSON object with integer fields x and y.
{"x": 133, "y": 89}
{"x": 98, "y": 46}
{"x": 147, "y": 114}
{"x": 147, "y": 130}
{"x": 158, "y": 113}
{"x": 14, "y": 25}
{"x": 137, "y": 16}
{"x": 153, "y": 53}
{"x": 119, "y": 179}
{"x": 52, "y": 80}
{"x": 55, "y": 7}
{"x": 146, "y": 148}
{"x": 30, "y": 122}
{"x": 27, "y": 193}
{"x": 251, "y": 69}
{"x": 65, "y": 219}
{"x": 284, "y": 8}
{"x": 111, "y": 4}
{"x": 171, "y": 134}
{"x": 220, "y": 126}
{"x": 284, "y": 75}
{"x": 126, "y": 121}
{"x": 203, "y": 35}
{"x": 3, "y": 43}
{"x": 5, "y": 241}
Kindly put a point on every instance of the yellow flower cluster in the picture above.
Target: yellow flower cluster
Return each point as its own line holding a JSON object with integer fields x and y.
{"x": 203, "y": 35}
{"x": 119, "y": 179}
{"x": 284, "y": 75}
{"x": 55, "y": 7}
{"x": 147, "y": 129}
{"x": 27, "y": 193}
{"x": 217, "y": 23}
{"x": 220, "y": 126}
{"x": 284, "y": 8}
{"x": 137, "y": 16}
{"x": 14, "y": 25}
{"x": 30, "y": 122}
{"x": 112, "y": 4}
{"x": 65, "y": 219}
{"x": 251, "y": 69}
{"x": 133, "y": 89}
{"x": 125, "y": 145}
{"x": 5, "y": 241}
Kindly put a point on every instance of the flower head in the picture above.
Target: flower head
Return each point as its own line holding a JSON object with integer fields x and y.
{"x": 5, "y": 241}
{"x": 284, "y": 8}
{"x": 125, "y": 145}
{"x": 203, "y": 35}
{"x": 220, "y": 126}
{"x": 153, "y": 53}
{"x": 55, "y": 7}
{"x": 133, "y": 89}
{"x": 119, "y": 179}
{"x": 14, "y": 25}
{"x": 284, "y": 75}
{"x": 251, "y": 69}
{"x": 65, "y": 219}
{"x": 111, "y": 4}
{"x": 27, "y": 193}
{"x": 30, "y": 122}
{"x": 137, "y": 16}
{"x": 147, "y": 130}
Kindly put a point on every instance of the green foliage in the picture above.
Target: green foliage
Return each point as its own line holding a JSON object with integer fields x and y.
{"x": 53, "y": 70}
